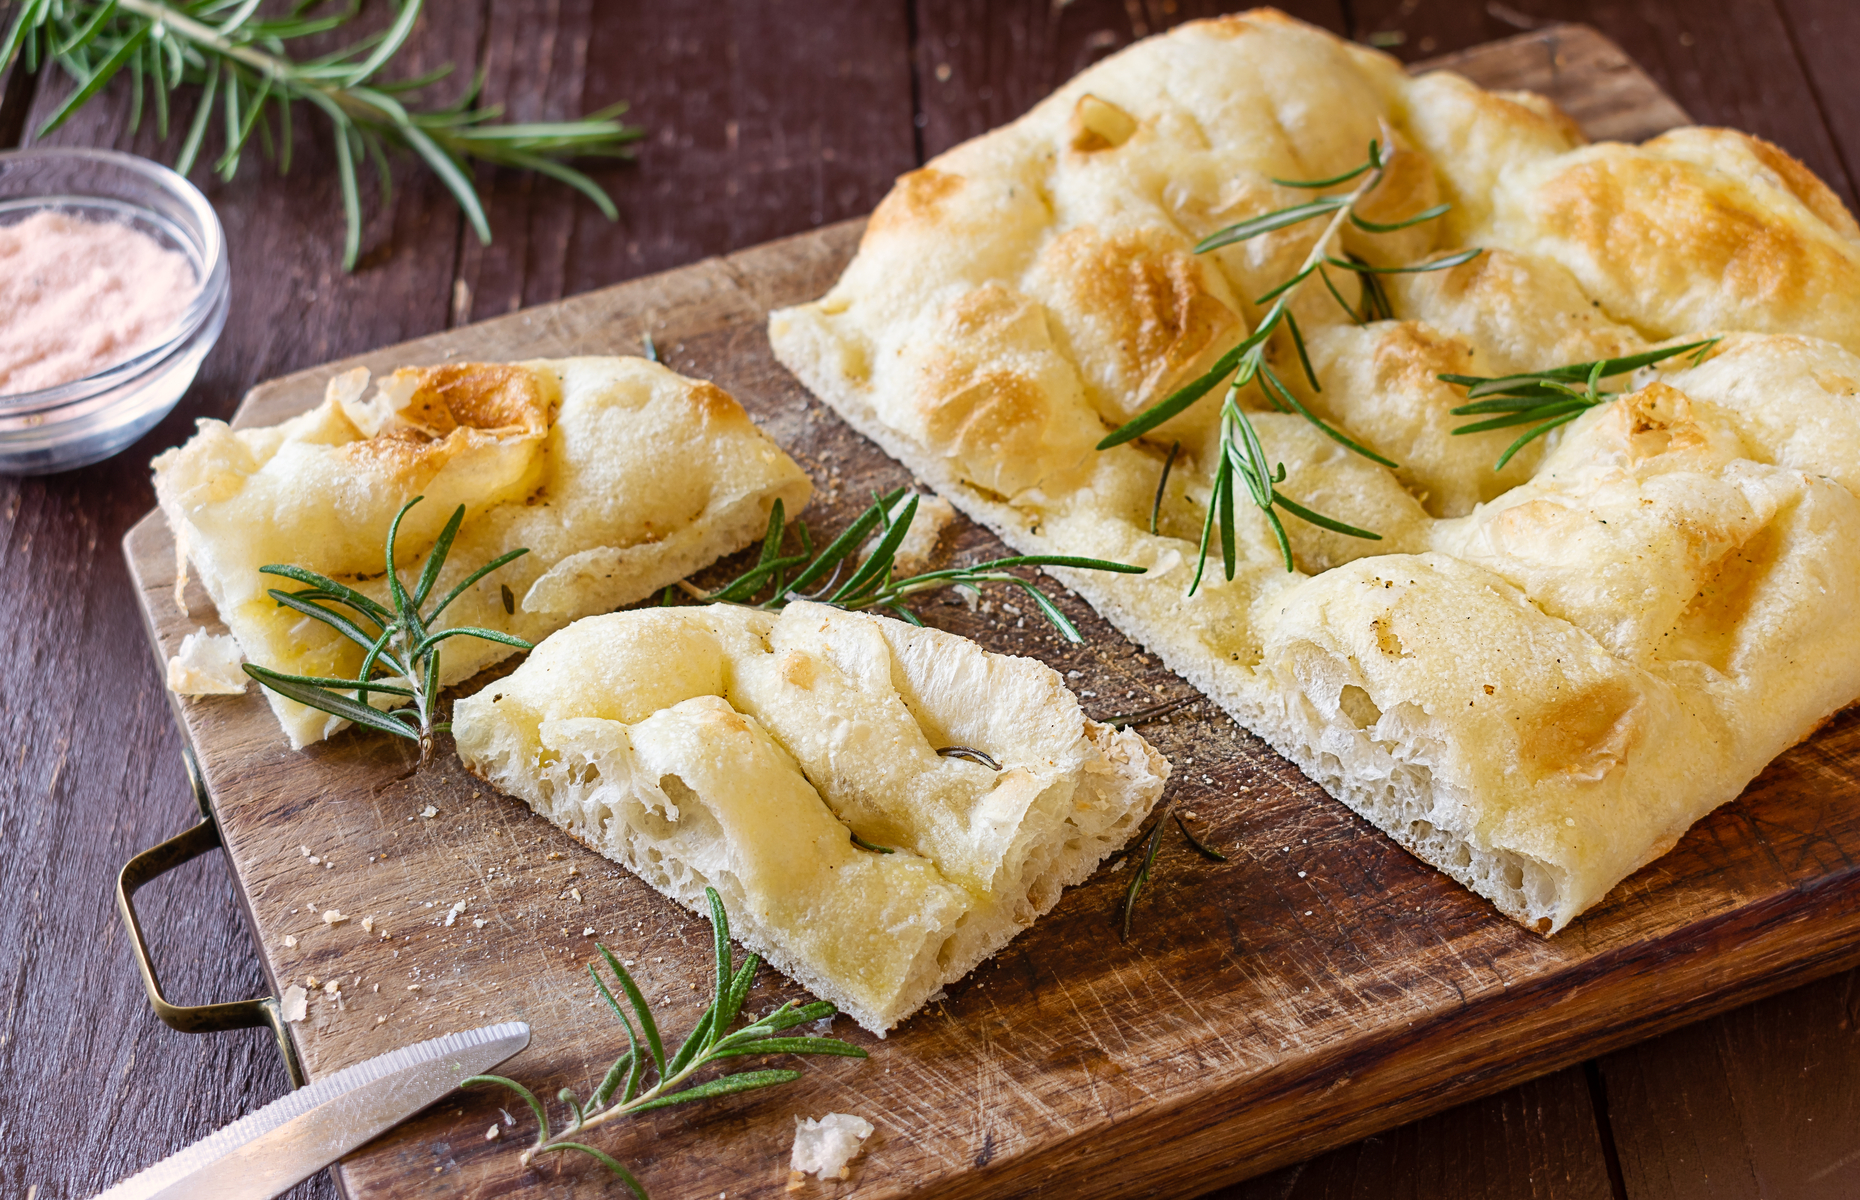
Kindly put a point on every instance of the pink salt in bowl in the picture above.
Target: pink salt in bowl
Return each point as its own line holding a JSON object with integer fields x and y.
{"x": 88, "y": 419}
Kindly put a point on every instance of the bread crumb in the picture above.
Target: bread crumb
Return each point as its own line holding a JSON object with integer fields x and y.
{"x": 413, "y": 987}
{"x": 331, "y": 985}
{"x": 491, "y": 1134}
{"x": 314, "y": 860}
{"x": 207, "y": 665}
{"x": 479, "y": 923}
{"x": 290, "y": 941}
{"x": 295, "y": 1004}
{"x": 588, "y": 931}
{"x": 333, "y": 917}
{"x": 453, "y": 913}
{"x": 368, "y": 924}
{"x": 824, "y": 1147}
{"x": 429, "y": 812}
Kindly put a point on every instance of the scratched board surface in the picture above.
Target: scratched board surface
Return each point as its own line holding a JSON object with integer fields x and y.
{"x": 1319, "y": 985}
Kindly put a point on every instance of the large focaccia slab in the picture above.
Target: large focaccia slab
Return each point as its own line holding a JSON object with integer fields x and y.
{"x": 1539, "y": 677}
{"x": 742, "y": 750}
{"x": 617, "y": 474}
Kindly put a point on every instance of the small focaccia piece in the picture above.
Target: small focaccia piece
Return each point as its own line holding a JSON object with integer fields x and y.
{"x": 618, "y": 475}
{"x": 1673, "y": 568}
{"x": 745, "y": 750}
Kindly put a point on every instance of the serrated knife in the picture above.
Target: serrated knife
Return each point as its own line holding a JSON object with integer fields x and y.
{"x": 291, "y": 1139}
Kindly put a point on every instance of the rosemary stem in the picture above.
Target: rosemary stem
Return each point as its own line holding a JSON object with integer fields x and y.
{"x": 268, "y": 65}
{"x": 1319, "y": 251}
{"x": 205, "y": 35}
{"x": 592, "y": 1120}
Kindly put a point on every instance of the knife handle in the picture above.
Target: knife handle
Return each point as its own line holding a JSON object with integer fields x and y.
{"x": 196, "y": 1018}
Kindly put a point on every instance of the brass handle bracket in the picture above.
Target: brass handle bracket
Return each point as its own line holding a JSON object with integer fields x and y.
{"x": 197, "y": 1018}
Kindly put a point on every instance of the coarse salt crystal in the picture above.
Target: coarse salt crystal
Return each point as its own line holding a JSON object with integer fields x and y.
{"x": 429, "y": 812}
{"x": 824, "y": 1147}
{"x": 290, "y": 942}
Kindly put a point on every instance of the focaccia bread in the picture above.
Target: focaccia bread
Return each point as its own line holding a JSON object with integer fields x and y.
{"x": 1540, "y": 676}
{"x": 743, "y": 750}
{"x": 617, "y": 474}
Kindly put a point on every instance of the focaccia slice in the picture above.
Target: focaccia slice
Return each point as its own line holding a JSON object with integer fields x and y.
{"x": 1539, "y": 677}
{"x": 617, "y": 474}
{"x": 744, "y": 750}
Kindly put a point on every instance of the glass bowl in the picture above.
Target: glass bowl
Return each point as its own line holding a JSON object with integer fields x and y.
{"x": 92, "y": 418}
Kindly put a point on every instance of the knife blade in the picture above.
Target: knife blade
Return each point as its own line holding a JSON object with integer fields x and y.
{"x": 294, "y": 1137}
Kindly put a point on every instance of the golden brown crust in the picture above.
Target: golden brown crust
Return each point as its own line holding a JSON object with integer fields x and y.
{"x": 1150, "y": 307}
{"x": 1803, "y": 184}
{"x": 916, "y": 199}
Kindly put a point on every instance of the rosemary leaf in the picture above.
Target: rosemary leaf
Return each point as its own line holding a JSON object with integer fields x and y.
{"x": 802, "y": 1045}
{"x": 647, "y": 1026}
{"x": 1426, "y": 214}
{"x": 743, "y": 1081}
{"x": 972, "y": 754}
{"x": 1143, "y": 716}
{"x": 1268, "y": 222}
{"x": 1143, "y": 872}
{"x": 1201, "y": 847}
{"x": 527, "y": 1096}
{"x": 601, "y": 1156}
{"x": 616, "y": 1075}
{"x": 331, "y": 702}
{"x": 1162, "y": 484}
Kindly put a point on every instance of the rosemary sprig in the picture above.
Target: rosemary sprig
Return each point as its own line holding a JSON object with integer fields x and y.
{"x": 241, "y": 61}
{"x": 709, "y": 1043}
{"x": 1242, "y": 460}
{"x": 870, "y": 584}
{"x": 1547, "y": 399}
{"x": 399, "y": 640}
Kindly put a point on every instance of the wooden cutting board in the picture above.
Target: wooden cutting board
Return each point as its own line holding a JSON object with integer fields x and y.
{"x": 1317, "y": 987}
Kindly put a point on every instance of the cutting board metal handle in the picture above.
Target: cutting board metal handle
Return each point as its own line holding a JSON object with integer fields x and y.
{"x": 197, "y": 1018}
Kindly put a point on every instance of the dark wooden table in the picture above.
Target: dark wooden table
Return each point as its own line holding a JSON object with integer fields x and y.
{"x": 764, "y": 119}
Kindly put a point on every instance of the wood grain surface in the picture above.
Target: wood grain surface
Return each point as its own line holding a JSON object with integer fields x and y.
{"x": 95, "y": 767}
